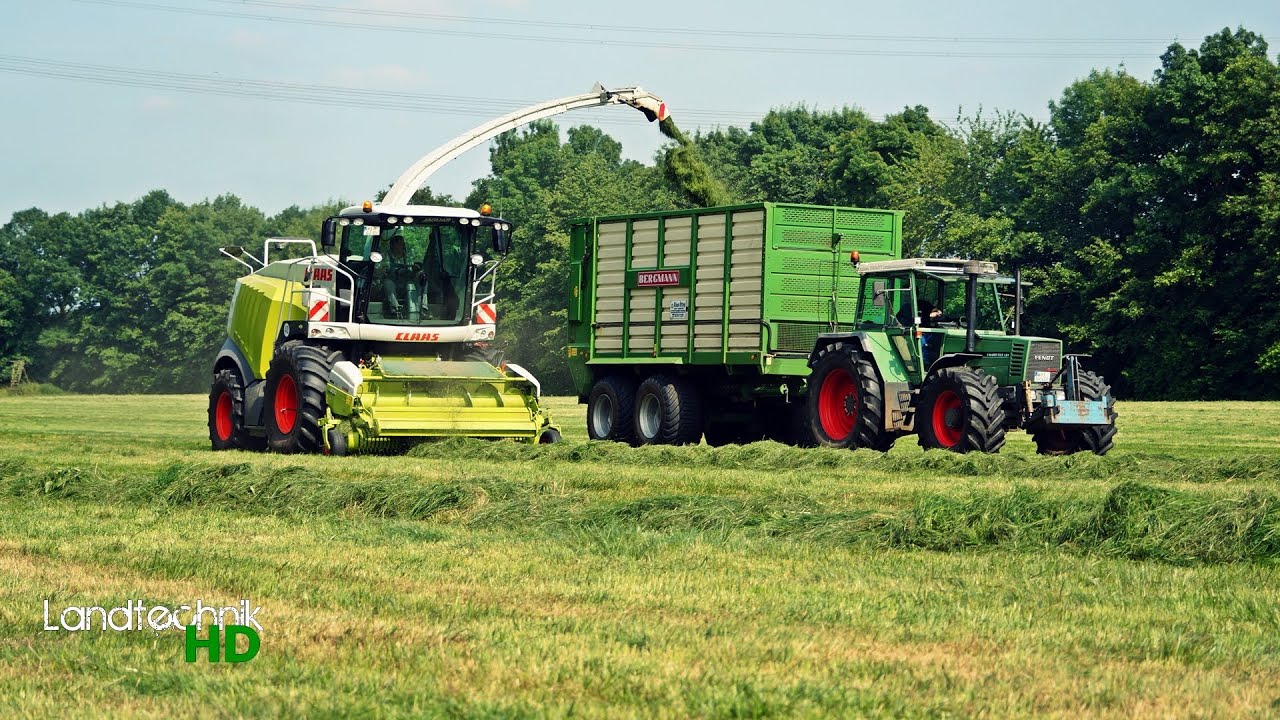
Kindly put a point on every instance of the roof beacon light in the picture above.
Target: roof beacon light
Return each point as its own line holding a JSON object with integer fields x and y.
{"x": 486, "y": 209}
{"x": 368, "y": 206}
{"x": 855, "y": 257}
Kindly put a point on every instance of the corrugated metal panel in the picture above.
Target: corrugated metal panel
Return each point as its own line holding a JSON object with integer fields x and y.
{"x": 676, "y": 240}
{"x": 644, "y": 243}
{"x": 709, "y": 283}
{"x": 746, "y": 285}
{"x": 611, "y": 261}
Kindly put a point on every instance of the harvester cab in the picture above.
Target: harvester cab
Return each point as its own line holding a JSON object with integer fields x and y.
{"x": 937, "y": 350}
{"x": 380, "y": 339}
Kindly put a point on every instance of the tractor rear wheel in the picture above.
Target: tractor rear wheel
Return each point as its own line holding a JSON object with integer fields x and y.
{"x": 668, "y": 412}
{"x": 611, "y": 409}
{"x": 846, "y": 403}
{"x": 295, "y": 397}
{"x": 960, "y": 411}
{"x": 1067, "y": 441}
{"x": 226, "y": 414}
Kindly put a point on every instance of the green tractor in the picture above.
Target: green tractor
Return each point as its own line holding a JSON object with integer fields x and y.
{"x": 381, "y": 340}
{"x": 937, "y": 350}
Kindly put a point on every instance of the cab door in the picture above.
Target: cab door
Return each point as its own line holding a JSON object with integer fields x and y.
{"x": 901, "y": 322}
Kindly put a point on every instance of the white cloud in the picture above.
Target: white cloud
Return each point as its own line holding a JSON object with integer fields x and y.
{"x": 158, "y": 103}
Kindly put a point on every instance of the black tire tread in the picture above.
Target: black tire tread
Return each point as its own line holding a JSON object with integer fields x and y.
{"x": 681, "y": 421}
{"x": 622, "y": 392}
{"x": 310, "y": 367}
{"x": 868, "y": 430}
{"x": 984, "y": 413}
{"x": 240, "y": 439}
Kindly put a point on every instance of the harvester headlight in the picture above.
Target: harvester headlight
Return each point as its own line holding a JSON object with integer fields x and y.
{"x": 475, "y": 222}
{"x": 408, "y": 221}
{"x": 391, "y": 220}
{"x": 358, "y": 221}
{"x": 344, "y": 222}
{"x": 477, "y": 260}
{"x": 462, "y": 221}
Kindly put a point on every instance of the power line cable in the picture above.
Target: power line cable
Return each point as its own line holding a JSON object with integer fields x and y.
{"x": 327, "y": 95}
{"x": 612, "y": 42}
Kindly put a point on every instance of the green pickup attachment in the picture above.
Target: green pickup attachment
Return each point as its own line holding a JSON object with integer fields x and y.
{"x": 394, "y": 400}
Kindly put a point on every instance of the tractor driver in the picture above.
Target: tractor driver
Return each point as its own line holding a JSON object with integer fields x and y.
{"x": 400, "y": 275}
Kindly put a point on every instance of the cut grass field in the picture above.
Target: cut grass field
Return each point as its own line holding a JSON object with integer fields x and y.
{"x": 491, "y": 579}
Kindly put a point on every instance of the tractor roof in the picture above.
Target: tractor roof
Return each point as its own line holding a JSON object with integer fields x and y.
{"x": 935, "y": 266}
{"x": 413, "y": 210}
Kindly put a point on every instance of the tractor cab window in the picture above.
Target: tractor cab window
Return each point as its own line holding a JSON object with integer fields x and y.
{"x": 947, "y": 294}
{"x": 886, "y": 300}
{"x": 413, "y": 273}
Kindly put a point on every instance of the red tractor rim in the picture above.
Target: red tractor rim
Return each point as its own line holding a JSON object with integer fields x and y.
{"x": 837, "y": 403}
{"x": 947, "y": 420}
{"x": 286, "y": 404}
{"x": 222, "y": 416}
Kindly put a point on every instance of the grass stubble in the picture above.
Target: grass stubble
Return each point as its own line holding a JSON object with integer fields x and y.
{"x": 493, "y": 579}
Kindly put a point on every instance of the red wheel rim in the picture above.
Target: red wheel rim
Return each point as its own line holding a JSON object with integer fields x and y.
{"x": 286, "y": 404}
{"x": 947, "y": 420}
{"x": 837, "y": 403}
{"x": 222, "y": 416}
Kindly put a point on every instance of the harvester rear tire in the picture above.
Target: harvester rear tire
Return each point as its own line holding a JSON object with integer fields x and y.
{"x": 668, "y": 412}
{"x": 1068, "y": 441}
{"x": 845, "y": 407}
{"x": 295, "y": 397}
{"x": 226, "y": 414}
{"x": 960, "y": 411}
{"x": 611, "y": 408}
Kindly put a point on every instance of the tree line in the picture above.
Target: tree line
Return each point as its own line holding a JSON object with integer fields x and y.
{"x": 1145, "y": 212}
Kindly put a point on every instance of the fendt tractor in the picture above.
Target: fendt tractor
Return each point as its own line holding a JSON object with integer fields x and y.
{"x": 383, "y": 335}
{"x": 763, "y": 321}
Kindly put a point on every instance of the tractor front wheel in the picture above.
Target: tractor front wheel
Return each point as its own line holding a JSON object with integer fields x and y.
{"x": 960, "y": 411}
{"x": 1098, "y": 439}
{"x": 846, "y": 403}
{"x": 295, "y": 397}
{"x": 226, "y": 414}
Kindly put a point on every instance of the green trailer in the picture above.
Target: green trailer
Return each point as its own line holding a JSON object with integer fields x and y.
{"x": 692, "y": 322}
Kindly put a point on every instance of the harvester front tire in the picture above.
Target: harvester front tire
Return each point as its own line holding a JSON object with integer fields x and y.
{"x": 1068, "y": 441}
{"x": 960, "y": 411}
{"x": 845, "y": 407}
{"x": 295, "y": 397}
{"x": 668, "y": 412}
{"x": 226, "y": 414}
{"x": 611, "y": 408}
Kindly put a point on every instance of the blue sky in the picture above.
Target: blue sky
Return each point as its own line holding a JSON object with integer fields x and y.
{"x": 109, "y": 128}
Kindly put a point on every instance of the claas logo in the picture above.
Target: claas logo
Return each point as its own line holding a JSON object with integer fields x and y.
{"x": 418, "y": 336}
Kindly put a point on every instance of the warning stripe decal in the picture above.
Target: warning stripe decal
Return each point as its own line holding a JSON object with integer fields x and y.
{"x": 486, "y": 314}
{"x": 319, "y": 311}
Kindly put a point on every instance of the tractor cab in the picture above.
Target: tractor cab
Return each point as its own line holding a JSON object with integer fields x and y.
{"x": 946, "y": 311}
{"x": 411, "y": 266}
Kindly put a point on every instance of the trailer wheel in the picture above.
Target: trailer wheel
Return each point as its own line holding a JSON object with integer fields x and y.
{"x": 295, "y": 397}
{"x": 960, "y": 411}
{"x": 845, "y": 408}
{"x": 668, "y": 412}
{"x": 611, "y": 410}
{"x": 1067, "y": 441}
{"x": 226, "y": 414}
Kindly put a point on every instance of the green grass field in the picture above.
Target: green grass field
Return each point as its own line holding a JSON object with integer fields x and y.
{"x": 490, "y": 579}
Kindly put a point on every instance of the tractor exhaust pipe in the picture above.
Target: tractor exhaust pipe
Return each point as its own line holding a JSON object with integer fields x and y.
{"x": 1017, "y": 300}
{"x": 971, "y": 309}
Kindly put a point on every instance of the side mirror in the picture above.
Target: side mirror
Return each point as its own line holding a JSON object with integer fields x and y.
{"x": 878, "y": 289}
{"x": 328, "y": 233}
{"x": 501, "y": 241}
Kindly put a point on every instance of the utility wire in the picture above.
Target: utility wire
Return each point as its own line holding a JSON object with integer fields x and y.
{"x": 613, "y": 41}
{"x": 715, "y": 32}
{"x": 326, "y": 95}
